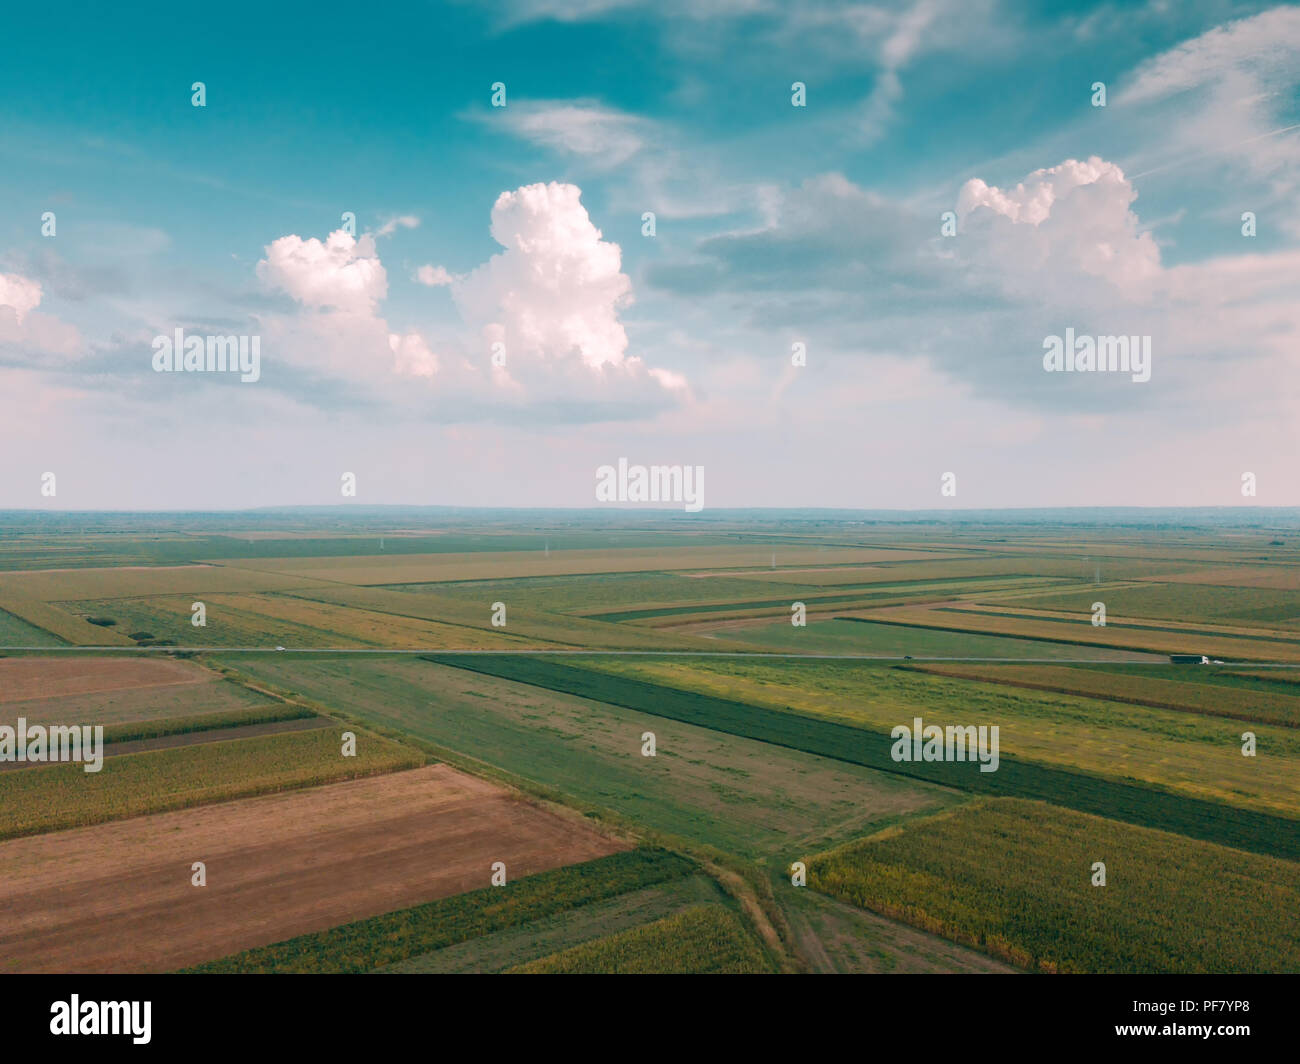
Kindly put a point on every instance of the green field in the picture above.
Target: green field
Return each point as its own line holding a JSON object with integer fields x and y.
{"x": 1014, "y": 878}
{"x": 735, "y": 794}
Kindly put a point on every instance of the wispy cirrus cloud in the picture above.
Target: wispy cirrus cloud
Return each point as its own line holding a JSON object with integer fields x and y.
{"x": 600, "y": 135}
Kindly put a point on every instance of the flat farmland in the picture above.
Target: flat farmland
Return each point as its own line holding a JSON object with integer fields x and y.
{"x": 267, "y": 620}
{"x": 525, "y": 627}
{"x": 1014, "y": 878}
{"x": 369, "y": 627}
{"x": 701, "y": 940}
{"x": 51, "y": 797}
{"x": 150, "y": 703}
{"x": 1241, "y": 607}
{"x": 62, "y": 627}
{"x": 506, "y": 948}
{"x": 1027, "y": 567}
{"x": 1194, "y": 755}
{"x": 726, "y": 791}
{"x": 1274, "y": 577}
{"x": 96, "y": 690}
{"x": 835, "y": 937}
{"x": 118, "y": 897}
{"x": 16, "y": 632}
{"x": 40, "y": 677}
{"x": 487, "y": 916}
{"x": 1237, "y": 702}
{"x": 435, "y": 568}
{"x": 1171, "y": 638}
{"x": 627, "y": 596}
{"x": 772, "y": 743}
{"x": 859, "y": 635}
{"x": 602, "y": 591}
{"x": 59, "y": 585}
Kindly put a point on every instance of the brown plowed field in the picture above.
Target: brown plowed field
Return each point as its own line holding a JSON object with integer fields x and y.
{"x": 44, "y": 677}
{"x": 117, "y": 897}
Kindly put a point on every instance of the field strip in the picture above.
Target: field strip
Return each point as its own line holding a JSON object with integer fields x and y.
{"x": 194, "y": 738}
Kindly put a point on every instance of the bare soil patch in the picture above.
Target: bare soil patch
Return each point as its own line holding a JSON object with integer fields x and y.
{"x": 47, "y": 677}
{"x": 117, "y": 897}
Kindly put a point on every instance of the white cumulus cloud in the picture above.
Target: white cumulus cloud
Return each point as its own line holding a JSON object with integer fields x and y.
{"x": 343, "y": 272}
{"x": 19, "y": 294}
{"x": 433, "y": 276}
{"x": 556, "y": 291}
{"x": 1059, "y": 222}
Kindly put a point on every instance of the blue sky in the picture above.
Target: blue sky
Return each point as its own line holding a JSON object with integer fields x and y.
{"x": 774, "y": 225}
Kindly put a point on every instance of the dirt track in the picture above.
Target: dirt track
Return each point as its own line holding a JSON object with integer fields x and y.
{"x": 118, "y": 898}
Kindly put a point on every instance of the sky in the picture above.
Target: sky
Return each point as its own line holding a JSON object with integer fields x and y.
{"x": 818, "y": 250}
